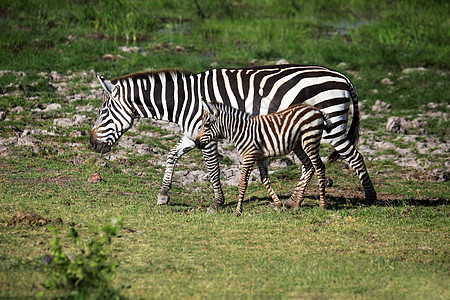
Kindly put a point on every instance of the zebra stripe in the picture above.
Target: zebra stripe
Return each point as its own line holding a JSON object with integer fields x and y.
{"x": 298, "y": 128}
{"x": 175, "y": 96}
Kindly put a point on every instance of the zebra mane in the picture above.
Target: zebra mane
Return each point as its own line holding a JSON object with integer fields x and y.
{"x": 233, "y": 111}
{"x": 140, "y": 75}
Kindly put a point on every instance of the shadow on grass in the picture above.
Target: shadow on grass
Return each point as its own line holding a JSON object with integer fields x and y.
{"x": 336, "y": 202}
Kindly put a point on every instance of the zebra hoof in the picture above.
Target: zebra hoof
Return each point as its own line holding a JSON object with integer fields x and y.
{"x": 288, "y": 204}
{"x": 211, "y": 210}
{"x": 163, "y": 199}
{"x": 371, "y": 197}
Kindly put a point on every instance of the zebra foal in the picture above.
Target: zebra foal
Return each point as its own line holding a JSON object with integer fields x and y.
{"x": 298, "y": 129}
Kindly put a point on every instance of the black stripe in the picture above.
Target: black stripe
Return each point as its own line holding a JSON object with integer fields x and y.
{"x": 157, "y": 94}
{"x": 181, "y": 95}
{"x": 169, "y": 95}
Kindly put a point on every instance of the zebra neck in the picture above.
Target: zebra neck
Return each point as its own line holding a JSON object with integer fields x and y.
{"x": 163, "y": 95}
{"x": 234, "y": 127}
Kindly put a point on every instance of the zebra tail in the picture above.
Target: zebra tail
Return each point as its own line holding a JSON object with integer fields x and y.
{"x": 353, "y": 133}
{"x": 327, "y": 124}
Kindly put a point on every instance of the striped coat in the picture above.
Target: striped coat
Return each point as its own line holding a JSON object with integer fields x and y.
{"x": 175, "y": 96}
{"x": 298, "y": 129}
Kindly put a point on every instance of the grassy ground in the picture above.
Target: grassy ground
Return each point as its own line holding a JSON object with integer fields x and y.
{"x": 397, "y": 249}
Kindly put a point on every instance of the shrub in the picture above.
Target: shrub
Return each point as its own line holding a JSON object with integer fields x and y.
{"x": 88, "y": 274}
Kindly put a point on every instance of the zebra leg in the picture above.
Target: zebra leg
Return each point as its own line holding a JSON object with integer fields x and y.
{"x": 243, "y": 182}
{"x": 320, "y": 170}
{"x": 184, "y": 145}
{"x": 356, "y": 161}
{"x": 212, "y": 162}
{"x": 307, "y": 172}
{"x": 264, "y": 172}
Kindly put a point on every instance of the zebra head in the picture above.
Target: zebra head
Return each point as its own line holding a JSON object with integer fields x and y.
{"x": 209, "y": 130}
{"x": 114, "y": 118}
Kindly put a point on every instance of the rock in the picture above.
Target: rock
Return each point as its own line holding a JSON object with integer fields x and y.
{"x": 127, "y": 49}
{"x": 56, "y": 77}
{"x": 282, "y": 62}
{"x": 432, "y": 105}
{"x": 47, "y": 259}
{"x": 414, "y": 70}
{"x": 75, "y": 133}
{"x": 50, "y": 107}
{"x": 381, "y": 106}
{"x": 190, "y": 177}
{"x": 110, "y": 57}
{"x": 386, "y": 81}
{"x": 394, "y": 125}
{"x": 79, "y": 160}
{"x": 342, "y": 65}
{"x": 439, "y": 175}
{"x": 17, "y": 109}
{"x": 67, "y": 122}
{"x": 85, "y": 108}
{"x": 180, "y": 49}
{"x": 71, "y": 38}
{"x": 143, "y": 149}
{"x": 95, "y": 178}
{"x": 17, "y": 74}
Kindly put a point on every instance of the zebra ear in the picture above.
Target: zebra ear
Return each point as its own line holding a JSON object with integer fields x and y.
{"x": 106, "y": 84}
{"x": 209, "y": 107}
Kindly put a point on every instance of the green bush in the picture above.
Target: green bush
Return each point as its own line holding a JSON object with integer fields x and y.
{"x": 88, "y": 274}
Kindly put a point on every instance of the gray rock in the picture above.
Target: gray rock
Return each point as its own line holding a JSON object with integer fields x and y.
{"x": 381, "y": 106}
{"x": 386, "y": 81}
{"x": 50, "y": 107}
{"x": 394, "y": 124}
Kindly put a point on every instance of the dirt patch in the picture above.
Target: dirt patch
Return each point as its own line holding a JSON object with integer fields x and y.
{"x": 26, "y": 218}
{"x": 95, "y": 178}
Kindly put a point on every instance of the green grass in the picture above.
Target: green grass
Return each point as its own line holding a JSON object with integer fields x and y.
{"x": 397, "y": 249}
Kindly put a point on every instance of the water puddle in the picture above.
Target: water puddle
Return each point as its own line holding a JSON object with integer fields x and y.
{"x": 345, "y": 26}
{"x": 175, "y": 28}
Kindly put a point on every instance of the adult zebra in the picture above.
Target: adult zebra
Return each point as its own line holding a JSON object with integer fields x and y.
{"x": 175, "y": 96}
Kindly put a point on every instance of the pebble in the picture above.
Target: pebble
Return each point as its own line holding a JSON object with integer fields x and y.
{"x": 386, "y": 81}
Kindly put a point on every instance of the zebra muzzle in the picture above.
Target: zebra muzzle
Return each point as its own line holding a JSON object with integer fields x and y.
{"x": 199, "y": 144}
{"x": 99, "y": 147}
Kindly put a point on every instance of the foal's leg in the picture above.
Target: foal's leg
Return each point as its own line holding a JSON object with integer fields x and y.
{"x": 263, "y": 170}
{"x": 307, "y": 172}
{"x": 313, "y": 153}
{"x": 247, "y": 166}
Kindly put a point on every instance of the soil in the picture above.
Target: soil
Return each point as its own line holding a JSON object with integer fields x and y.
{"x": 26, "y": 218}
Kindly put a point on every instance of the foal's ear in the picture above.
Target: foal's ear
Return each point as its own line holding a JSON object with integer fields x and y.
{"x": 106, "y": 84}
{"x": 210, "y": 107}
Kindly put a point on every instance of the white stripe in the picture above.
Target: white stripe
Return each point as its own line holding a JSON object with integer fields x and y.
{"x": 198, "y": 113}
{"x": 152, "y": 96}
{"x": 175, "y": 95}
{"x": 233, "y": 101}
{"x": 295, "y": 90}
{"x": 162, "y": 77}
{"x": 181, "y": 121}
{"x": 216, "y": 88}
{"x": 190, "y": 109}
{"x": 240, "y": 84}
{"x": 133, "y": 102}
{"x": 141, "y": 96}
